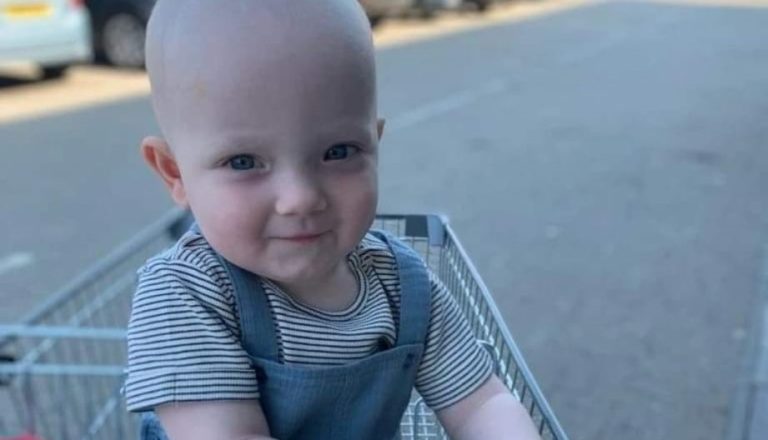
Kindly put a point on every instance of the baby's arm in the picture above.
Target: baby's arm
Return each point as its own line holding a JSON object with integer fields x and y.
{"x": 456, "y": 379}
{"x": 185, "y": 360}
{"x": 491, "y": 411}
{"x": 226, "y": 420}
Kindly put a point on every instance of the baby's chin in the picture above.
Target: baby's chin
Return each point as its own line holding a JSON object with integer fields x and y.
{"x": 290, "y": 263}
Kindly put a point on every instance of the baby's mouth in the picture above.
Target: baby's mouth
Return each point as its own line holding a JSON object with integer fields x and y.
{"x": 303, "y": 237}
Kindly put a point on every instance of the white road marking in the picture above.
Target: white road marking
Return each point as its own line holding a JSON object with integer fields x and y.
{"x": 447, "y": 104}
{"x": 15, "y": 261}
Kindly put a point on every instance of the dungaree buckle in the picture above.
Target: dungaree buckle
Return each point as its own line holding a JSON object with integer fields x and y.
{"x": 408, "y": 361}
{"x": 261, "y": 376}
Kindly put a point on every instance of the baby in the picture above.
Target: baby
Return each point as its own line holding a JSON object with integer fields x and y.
{"x": 278, "y": 314}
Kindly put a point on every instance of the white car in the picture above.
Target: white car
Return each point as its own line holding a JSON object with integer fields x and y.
{"x": 52, "y": 34}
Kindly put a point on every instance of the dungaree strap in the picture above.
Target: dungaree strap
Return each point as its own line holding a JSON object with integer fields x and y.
{"x": 257, "y": 328}
{"x": 415, "y": 291}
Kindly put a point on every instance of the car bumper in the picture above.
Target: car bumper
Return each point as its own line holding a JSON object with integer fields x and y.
{"x": 65, "y": 40}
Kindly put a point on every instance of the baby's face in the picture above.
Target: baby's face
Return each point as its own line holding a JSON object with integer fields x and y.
{"x": 277, "y": 149}
{"x": 284, "y": 190}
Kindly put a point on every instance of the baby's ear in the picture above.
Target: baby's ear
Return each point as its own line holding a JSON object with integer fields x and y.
{"x": 380, "y": 126}
{"x": 159, "y": 157}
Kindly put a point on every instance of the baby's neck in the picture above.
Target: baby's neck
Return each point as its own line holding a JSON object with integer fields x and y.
{"x": 334, "y": 294}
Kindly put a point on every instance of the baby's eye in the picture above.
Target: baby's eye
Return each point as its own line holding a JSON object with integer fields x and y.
{"x": 243, "y": 162}
{"x": 340, "y": 152}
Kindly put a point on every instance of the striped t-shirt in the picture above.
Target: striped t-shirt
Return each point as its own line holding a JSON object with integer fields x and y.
{"x": 184, "y": 335}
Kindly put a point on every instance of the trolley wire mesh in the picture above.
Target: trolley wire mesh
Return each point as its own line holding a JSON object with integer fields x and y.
{"x": 61, "y": 368}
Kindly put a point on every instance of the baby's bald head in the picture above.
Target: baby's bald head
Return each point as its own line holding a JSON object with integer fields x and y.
{"x": 219, "y": 63}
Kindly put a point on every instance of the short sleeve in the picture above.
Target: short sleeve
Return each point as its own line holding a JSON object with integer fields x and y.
{"x": 454, "y": 364}
{"x": 183, "y": 342}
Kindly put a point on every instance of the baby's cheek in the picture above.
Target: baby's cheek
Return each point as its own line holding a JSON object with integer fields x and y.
{"x": 362, "y": 200}
{"x": 226, "y": 211}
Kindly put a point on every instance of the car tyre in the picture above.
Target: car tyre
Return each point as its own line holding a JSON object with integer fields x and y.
{"x": 482, "y": 5}
{"x": 122, "y": 40}
{"x": 375, "y": 20}
{"x": 53, "y": 72}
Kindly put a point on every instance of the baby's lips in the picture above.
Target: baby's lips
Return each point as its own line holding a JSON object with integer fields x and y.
{"x": 304, "y": 236}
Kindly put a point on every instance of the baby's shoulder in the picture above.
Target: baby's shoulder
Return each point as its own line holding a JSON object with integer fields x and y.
{"x": 184, "y": 287}
{"x": 190, "y": 249}
{"x": 190, "y": 263}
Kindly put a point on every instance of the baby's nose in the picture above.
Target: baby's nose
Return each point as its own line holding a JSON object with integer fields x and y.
{"x": 299, "y": 195}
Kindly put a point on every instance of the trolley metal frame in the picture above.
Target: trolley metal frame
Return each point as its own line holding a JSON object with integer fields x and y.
{"x": 62, "y": 366}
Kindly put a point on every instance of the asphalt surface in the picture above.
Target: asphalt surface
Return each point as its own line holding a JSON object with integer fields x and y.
{"x": 605, "y": 167}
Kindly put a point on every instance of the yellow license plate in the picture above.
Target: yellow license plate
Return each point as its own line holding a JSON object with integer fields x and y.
{"x": 22, "y": 11}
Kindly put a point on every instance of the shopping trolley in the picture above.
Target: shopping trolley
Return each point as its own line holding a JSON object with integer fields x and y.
{"x": 62, "y": 367}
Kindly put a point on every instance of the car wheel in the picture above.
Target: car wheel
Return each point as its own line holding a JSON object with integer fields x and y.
{"x": 375, "y": 20}
{"x": 53, "y": 72}
{"x": 482, "y": 5}
{"x": 122, "y": 40}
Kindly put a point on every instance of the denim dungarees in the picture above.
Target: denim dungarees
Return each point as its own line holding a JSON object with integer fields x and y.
{"x": 362, "y": 400}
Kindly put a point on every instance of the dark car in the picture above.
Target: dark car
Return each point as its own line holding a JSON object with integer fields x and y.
{"x": 118, "y": 28}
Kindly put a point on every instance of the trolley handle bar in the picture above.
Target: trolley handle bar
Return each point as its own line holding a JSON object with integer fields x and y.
{"x": 62, "y": 332}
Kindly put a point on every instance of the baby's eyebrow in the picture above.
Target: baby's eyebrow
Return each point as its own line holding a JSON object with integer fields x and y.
{"x": 347, "y": 132}
{"x": 237, "y": 144}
